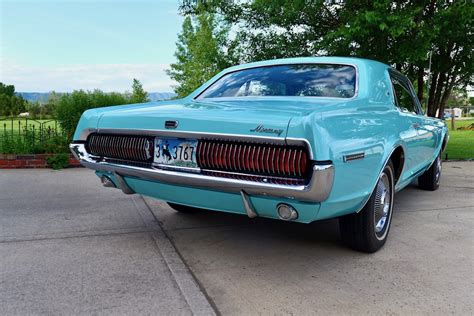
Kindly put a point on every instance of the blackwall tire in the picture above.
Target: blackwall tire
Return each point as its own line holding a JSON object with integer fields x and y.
{"x": 431, "y": 178}
{"x": 367, "y": 231}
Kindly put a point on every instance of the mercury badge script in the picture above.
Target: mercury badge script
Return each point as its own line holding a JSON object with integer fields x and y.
{"x": 262, "y": 129}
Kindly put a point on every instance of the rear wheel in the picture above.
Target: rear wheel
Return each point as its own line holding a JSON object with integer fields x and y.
{"x": 368, "y": 230}
{"x": 431, "y": 178}
{"x": 184, "y": 208}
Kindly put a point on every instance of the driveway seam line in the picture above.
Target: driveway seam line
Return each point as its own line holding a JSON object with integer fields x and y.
{"x": 83, "y": 235}
{"x": 193, "y": 292}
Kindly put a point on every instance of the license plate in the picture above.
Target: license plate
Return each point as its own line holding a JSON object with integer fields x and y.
{"x": 175, "y": 152}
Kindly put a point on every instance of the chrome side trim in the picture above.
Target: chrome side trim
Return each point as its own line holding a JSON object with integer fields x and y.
{"x": 316, "y": 190}
{"x": 356, "y": 156}
{"x": 198, "y": 135}
{"x": 248, "y": 205}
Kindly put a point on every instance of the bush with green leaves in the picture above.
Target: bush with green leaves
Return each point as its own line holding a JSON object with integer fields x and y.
{"x": 30, "y": 143}
{"x": 58, "y": 161}
{"x": 71, "y": 106}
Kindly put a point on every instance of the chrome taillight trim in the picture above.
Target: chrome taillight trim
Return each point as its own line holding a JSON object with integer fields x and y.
{"x": 198, "y": 135}
{"x": 316, "y": 190}
{"x": 124, "y": 147}
{"x": 249, "y": 158}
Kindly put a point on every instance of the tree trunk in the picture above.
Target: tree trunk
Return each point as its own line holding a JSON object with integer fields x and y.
{"x": 411, "y": 72}
{"x": 431, "y": 93}
{"x": 440, "y": 85}
{"x": 447, "y": 92}
{"x": 444, "y": 100}
{"x": 420, "y": 83}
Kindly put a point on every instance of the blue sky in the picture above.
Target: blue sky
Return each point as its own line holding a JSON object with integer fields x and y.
{"x": 66, "y": 45}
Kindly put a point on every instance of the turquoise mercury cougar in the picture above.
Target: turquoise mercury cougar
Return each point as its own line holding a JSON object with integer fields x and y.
{"x": 299, "y": 139}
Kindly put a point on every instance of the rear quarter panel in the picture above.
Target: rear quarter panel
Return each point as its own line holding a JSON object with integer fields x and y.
{"x": 368, "y": 124}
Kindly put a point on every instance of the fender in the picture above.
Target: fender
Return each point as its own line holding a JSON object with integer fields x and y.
{"x": 387, "y": 159}
{"x": 440, "y": 146}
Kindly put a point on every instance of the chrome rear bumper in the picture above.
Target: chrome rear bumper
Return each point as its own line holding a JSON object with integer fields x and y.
{"x": 316, "y": 190}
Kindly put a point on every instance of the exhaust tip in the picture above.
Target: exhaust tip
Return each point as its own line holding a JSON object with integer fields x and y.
{"x": 107, "y": 182}
{"x": 287, "y": 212}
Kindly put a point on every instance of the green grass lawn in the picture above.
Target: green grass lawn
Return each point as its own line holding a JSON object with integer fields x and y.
{"x": 15, "y": 125}
{"x": 461, "y": 143}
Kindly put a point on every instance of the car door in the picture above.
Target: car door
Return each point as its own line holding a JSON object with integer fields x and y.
{"x": 416, "y": 132}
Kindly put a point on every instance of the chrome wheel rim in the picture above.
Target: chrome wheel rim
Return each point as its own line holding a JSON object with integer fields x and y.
{"x": 383, "y": 201}
{"x": 438, "y": 170}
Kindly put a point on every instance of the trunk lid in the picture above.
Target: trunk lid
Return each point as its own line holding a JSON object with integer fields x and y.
{"x": 268, "y": 118}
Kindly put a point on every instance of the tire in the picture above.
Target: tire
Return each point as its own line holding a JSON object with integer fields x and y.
{"x": 431, "y": 178}
{"x": 184, "y": 208}
{"x": 367, "y": 230}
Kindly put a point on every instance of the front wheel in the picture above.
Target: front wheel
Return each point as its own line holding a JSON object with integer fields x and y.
{"x": 431, "y": 178}
{"x": 368, "y": 230}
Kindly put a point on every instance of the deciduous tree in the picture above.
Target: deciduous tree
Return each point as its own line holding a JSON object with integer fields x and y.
{"x": 403, "y": 34}
{"x": 200, "y": 51}
{"x": 10, "y": 104}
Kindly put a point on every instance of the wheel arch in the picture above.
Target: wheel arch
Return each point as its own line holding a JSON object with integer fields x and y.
{"x": 445, "y": 142}
{"x": 397, "y": 152}
{"x": 398, "y": 160}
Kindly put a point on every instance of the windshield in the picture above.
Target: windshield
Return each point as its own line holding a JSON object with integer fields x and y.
{"x": 306, "y": 80}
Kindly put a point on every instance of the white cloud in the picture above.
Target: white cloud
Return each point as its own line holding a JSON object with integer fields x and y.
{"x": 106, "y": 77}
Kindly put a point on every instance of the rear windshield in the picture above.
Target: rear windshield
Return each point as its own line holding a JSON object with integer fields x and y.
{"x": 305, "y": 80}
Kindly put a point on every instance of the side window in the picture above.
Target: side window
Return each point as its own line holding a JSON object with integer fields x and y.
{"x": 403, "y": 97}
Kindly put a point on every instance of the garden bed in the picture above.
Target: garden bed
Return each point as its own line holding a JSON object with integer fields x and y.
{"x": 9, "y": 161}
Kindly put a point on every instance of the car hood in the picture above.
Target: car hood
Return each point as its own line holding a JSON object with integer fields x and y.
{"x": 269, "y": 117}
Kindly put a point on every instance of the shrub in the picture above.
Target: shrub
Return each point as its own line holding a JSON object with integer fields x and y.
{"x": 58, "y": 161}
{"x": 30, "y": 143}
{"x": 71, "y": 106}
{"x": 56, "y": 144}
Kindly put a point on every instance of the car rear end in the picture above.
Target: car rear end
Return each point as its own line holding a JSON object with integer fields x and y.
{"x": 244, "y": 174}
{"x": 225, "y": 147}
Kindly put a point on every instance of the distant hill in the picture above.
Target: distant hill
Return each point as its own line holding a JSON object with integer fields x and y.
{"x": 42, "y": 97}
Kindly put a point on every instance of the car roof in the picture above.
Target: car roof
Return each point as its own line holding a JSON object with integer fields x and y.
{"x": 354, "y": 61}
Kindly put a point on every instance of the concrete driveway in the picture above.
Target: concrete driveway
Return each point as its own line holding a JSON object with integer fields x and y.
{"x": 69, "y": 246}
{"x": 265, "y": 266}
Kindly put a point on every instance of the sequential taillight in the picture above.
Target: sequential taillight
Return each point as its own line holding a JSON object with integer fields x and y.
{"x": 253, "y": 158}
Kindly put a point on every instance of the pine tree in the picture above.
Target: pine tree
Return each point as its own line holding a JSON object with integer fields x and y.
{"x": 138, "y": 94}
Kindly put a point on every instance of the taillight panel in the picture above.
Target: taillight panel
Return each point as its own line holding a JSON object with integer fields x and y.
{"x": 253, "y": 158}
